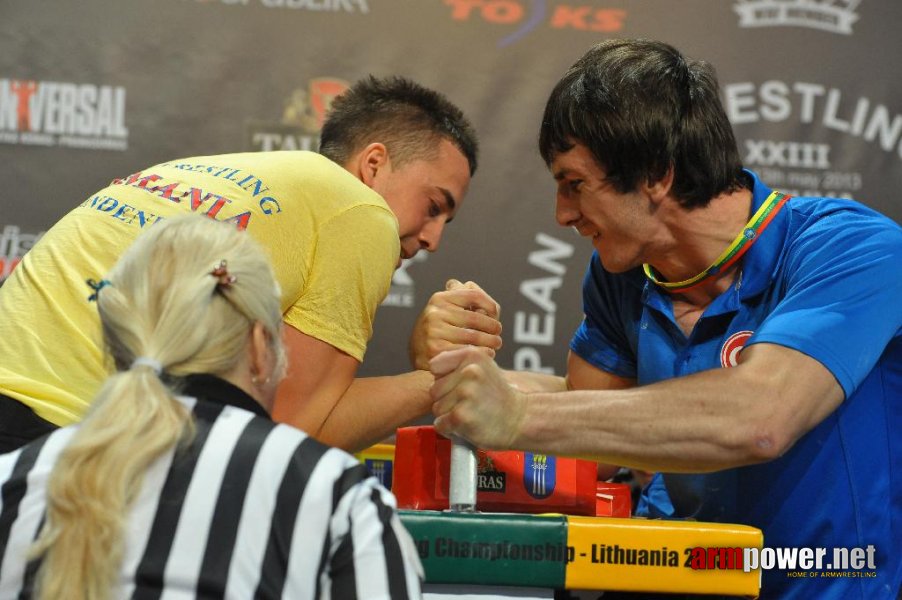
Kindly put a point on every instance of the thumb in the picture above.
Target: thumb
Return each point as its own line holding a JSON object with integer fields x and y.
{"x": 472, "y": 285}
{"x": 447, "y": 361}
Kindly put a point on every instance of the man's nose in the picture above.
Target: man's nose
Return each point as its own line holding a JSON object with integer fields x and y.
{"x": 565, "y": 211}
{"x": 431, "y": 235}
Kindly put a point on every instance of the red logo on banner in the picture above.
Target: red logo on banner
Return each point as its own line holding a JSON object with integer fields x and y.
{"x": 13, "y": 246}
{"x": 322, "y": 92}
{"x": 530, "y": 15}
{"x": 303, "y": 115}
{"x": 23, "y": 90}
{"x": 729, "y": 354}
{"x": 307, "y": 108}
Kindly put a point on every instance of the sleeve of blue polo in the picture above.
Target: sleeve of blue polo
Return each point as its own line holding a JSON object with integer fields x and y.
{"x": 600, "y": 339}
{"x": 843, "y": 294}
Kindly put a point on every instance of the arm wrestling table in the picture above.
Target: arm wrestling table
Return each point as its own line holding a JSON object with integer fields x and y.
{"x": 482, "y": 555}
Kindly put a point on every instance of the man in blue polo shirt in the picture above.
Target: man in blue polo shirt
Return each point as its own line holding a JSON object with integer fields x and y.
{"x": 744, "y": 343}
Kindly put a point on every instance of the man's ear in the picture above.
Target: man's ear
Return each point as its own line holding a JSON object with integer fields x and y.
{"x": 370, "y": 160}
{"x": 658, "y": 190}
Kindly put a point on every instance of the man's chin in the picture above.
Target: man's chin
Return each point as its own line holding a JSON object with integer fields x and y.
{"x": 402, "y": 257}
{"x": 615, "y": 266}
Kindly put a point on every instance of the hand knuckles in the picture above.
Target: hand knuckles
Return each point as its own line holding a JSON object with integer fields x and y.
{"x": 472, "y": 354}
{"x": 439, "y": 299}
{"x": 472, "y": 371}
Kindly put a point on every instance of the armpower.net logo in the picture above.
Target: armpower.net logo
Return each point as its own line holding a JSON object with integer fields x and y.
{"x": 799, "y": 563}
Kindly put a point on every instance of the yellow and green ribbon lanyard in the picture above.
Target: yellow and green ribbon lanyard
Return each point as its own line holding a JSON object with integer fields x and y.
{"x": 751, "y": 232}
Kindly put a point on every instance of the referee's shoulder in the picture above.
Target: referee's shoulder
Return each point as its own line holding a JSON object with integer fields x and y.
{"x": 300, "y": 443}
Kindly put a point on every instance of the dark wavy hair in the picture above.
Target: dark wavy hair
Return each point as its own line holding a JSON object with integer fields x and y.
{"x": 640, "y": 108}
{"x": 408, "y": 118}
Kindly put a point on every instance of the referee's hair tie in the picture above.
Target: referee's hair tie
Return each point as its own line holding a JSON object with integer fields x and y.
{"x": 144, "y": 361}
{"x": 224, "y": 279}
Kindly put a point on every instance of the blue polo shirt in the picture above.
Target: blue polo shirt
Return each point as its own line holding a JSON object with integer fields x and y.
{"x": 823, "y": 278}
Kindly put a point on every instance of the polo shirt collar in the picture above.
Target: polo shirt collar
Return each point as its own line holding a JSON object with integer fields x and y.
{"x": 761, "y": 263}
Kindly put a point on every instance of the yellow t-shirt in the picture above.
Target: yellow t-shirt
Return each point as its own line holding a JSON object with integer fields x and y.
{"x": 333, "y": 243}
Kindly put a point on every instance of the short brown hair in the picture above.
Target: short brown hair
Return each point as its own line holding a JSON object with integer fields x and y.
{"x": 405, "y": 116}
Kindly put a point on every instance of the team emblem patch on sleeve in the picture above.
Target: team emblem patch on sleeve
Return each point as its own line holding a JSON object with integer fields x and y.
{"x": 729, "y": 353}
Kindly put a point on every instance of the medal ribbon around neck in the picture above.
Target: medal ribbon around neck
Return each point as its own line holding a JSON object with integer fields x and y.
{"x": 751, "y": 232}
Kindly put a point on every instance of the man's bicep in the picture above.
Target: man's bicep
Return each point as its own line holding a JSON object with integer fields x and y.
{"x": 354, "y": 258}
{"x": 582, "y": 375}
{"x": 317, "y": 377}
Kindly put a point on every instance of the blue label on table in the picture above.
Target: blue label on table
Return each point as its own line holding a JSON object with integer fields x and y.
{"x": 380, "y": 469}
{"x": 539, "y": 474}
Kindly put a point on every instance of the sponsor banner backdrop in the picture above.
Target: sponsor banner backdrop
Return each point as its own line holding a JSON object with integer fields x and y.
{"x": 93, "y": 89}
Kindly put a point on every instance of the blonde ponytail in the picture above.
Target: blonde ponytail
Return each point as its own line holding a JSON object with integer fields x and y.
{"x": 164, "y": 307}
{"x": 97, "y": 478}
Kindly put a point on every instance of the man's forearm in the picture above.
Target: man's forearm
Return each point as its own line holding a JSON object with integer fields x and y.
{"x": 703, "y": 422}
{"x": 374, "y": 407}
{"x": 639, "y": 428}
{"x": 529, "y": 382}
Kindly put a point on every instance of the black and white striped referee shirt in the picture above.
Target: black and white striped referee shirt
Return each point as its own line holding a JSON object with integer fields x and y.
{"x": 250, "y": 510}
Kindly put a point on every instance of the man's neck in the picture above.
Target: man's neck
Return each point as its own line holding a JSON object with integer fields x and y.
{"x": 698, "y": 237}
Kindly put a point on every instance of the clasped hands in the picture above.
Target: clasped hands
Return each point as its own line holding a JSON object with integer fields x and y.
{"x": 455, "y": 338}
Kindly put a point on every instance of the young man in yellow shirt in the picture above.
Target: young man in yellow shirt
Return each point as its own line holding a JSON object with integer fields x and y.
{"x": 395, "y": 163}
